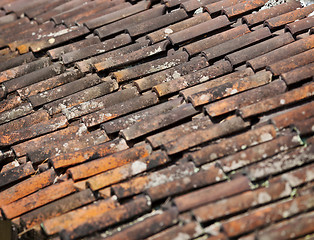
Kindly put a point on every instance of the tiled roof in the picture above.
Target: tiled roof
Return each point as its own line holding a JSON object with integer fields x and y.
{"x": 169, "y": 119}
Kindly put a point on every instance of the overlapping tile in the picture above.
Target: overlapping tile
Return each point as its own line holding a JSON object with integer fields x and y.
{"x": 105, "y": 131}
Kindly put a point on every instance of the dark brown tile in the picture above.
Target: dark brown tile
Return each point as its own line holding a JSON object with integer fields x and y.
{"x": 281, "y": 162}
{"x": 120, "y": 109}
{"x": 236, "y": 43}
{"x": 99, "y": 103}
{"x": 233, "y": 144}
{"x": 140, "y": 116}
{"x": 298, "y": 74}
{"x": 162, "y": 34}
{"x": 180, "y": 83}
{"x": 199, "y": 46}
{"x": 57, "y": 208}
{"x": 139, "y": 184}
{"x": 148, "y": 226}
{"x": 241, "y": 202}
{"x": 16, "y": 174}
{"x": 259, "y": 152}
{"x": 217, "y": 6}
{"x": 246, "y": 98}
{"x": 281, "y": 53}
{"x": 198, "y": 30}
{"x": 200, "y": 136}
{"x": 158, "y": 122}
{"x": 211, "y": 174}
{"x": 14, "y": 62}
{"x": 289, "y": 17}
{"x": 243, "y": 7}
{"x": 262, "y": 15}
{"x": 211, "y": 193}
{"x": 17, "y": 112}
{"x": 278, "y": 101}
{"x": 305, "y": 127}
{"x": 301, "y": 25}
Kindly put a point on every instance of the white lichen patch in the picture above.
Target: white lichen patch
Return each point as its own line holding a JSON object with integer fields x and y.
{"x": 266, "y": 137}
{"x": 138, "y": 167}
{"x": 263, "y": 197}
{"x": 51, "y": 40}
{"x": 168, "y": 31}
{"x": 157, "y": 50}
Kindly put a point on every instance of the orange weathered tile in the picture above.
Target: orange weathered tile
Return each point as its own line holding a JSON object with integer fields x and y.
{"x": 109, "y": 162}
{"x": 27, "y": 187}
{"x": 38, "y": 199}
{"x": 127, "y": 171}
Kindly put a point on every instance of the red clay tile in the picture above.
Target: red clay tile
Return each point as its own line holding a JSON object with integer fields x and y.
{"x": 281, "y": 53}
{"x": 109, "y": 162}
{"x": 190, "y": 5}
{"x": 57, "y": 208}
{"x": 89, "y": 153}
{"x": 289, "y": 17}
{"x": 266, "y": 215}
{"x": 298, "y": 74}
{"x": 281, "y": 162}
{"x": 211, "y": 174}
{"x": 142, "y": 183}
{"x": 199, "y": 30}
{"x": 162, "y": 34}
{"x": 199, "y": 46}
{"x": 34, "y": 131}
{"x": 211, "y": 193}
{"x": 262, "y": 15}
{"x": 15, "y": 174}
{"x": 233, "y": 144}
{"x": 38, "y": 199}
{"x": 86, "y": 65}
{"x": 229, "y": 88}
{"x": 120, "y": 109}
{"x": 241, "y": 202}
{"x": 129, "y": 170}
{"x": 33, "y": 77}
{"x": 200, "y": 136}
{"x": 218, "y": 69}
{"x": 73, "y": 219}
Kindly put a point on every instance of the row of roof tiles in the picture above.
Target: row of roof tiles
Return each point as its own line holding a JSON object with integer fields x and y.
{"x": 195, "y": 119}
